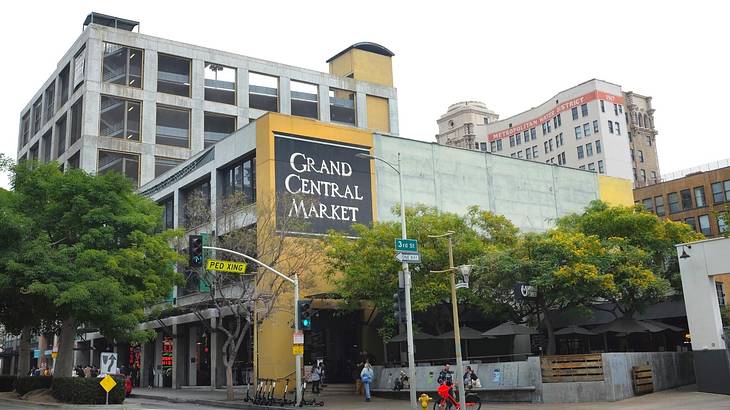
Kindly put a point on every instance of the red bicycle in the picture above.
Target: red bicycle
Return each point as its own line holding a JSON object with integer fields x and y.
{"x": 448, "y": 402}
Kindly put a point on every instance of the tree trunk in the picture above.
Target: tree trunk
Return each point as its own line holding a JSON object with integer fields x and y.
{"x": 550, "y": 334}
{"x": 229, "y": 381}
{"x": 24, "y": 355}
{"x": 65, "y": 359}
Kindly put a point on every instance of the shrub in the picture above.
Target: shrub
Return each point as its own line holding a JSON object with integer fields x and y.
{"x": 86, "y": 390}
{"x": 29, "y": 383}
{"x": 7, "y": 383}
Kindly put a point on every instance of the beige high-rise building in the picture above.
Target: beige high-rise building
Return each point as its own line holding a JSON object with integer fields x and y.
{"x": 642, "y": 139}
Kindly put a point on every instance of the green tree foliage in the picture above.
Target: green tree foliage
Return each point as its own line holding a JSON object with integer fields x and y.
{"x": 87, "y": 246}
{"x": 365, "y": 268}
{"x": 640, "y": 229}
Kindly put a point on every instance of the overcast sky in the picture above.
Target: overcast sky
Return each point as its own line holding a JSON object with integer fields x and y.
{"x": 512, "y": 55}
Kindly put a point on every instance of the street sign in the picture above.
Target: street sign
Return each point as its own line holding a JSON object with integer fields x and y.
{"x": 462, "y": 285}
{"x": 54, "y": 355}
{"x": 108, "y": 363}
{"x": 225, "y": 266}
{"x": 406, "y": 245}
{"x": 108, "y": 383}
{"x": 297, "y": 349}
{"x": 525, "y": 291}
{"x": 298, "y": 337}
{"x": 408, "y": 257}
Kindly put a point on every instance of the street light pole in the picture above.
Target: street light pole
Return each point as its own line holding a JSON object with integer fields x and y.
{"x": 407, "y": 280}
{"x": 457, "y": 328}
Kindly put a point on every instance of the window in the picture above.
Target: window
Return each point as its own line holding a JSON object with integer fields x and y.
{"x": 483, "y": 146}
{"x": 76, "y": 118}
{"x": 592, "y": 167}
{"x": 263, "y": 92}
{"x": 589, "y": 149}
{"x": 587, "y": 129}
{"x": 584, "y": 110}
{"x": 686, "y": 196}
{"x": 173, "y": 75}
{"x": 620, "y": 109}
{"x": 534, "y": 151}
{"x": 653, "y": 177}
{"x": 700, "y": 196}
{"x": 610, "y": 127}
{"x": 633, "y": 157}
{"x": 173, "y": 126}
{"x": 548, "y": 127}
{"x": 241, "y": 177}
{"x": 486, "y": 120}
{"x": 163, "y": 165}
{"x": 119, "y": 118}
{"x": 342, "y": 107}
{"x": 79, "y": 59}
{"x": 196, "y": 204}
{"x": 216, "y": 127}
{"x": 63, "y": 78}
{"x": 583, "y": 167}
{"x": 721, "y": 226}
{"x": 559, "y": 140}
{"x": 648, "y": 204}
{"x": 75, "y": 161}
{"x": 493, "y": 146}
{"x": 603, "y": 106}
{"x": 511, "y": 140}
{"x": 641, "y": 156}
{"x": 705, "y": 228}
{"x": 580, "y": 152}
{"x": 673, "y": 199}
{"x": 528, "y": 153}
{"x": 544, "y": 128}
{"x": 50, "y": 96}
{"x": 598, "y": 147}
{"x": 643, "y": 177}
{"x": 546, "y": 147}
{"x": 578, "y": 133}
{"x": 513, "y": 155}
{"x": 25, "y": 126}
{"x": 122, "y": 65}
{"x": 720, "y": 288}
{"x": 595, "y": 126}
{"x": 615, "y": 109}
{"x": 499, "y": 145}
{"x": 519, "y": 154}
{"x": 550, "y": 145}
{"x": 33, "y": 152}
{"x": 61, "y": 136}
{"x": 220, "y": 83}
{"x": 718, "y": 195}
{"x": 560, "y": 122}
{"x": 518, "y": 139}
{"x": 617, "y": 127}
{"x": 601, "y": 167}
{"x": 629, "y": 134}
{"x": 659, "y": 203}
{"x": 526, "y": 135}
{"x": 648, "y": 140}
{"x": 555, "y": 122}
{"x": 37, "y": 114}
{"x": 533, "y": 134}
{"x": 168, "y": 212}
{"x": 304, "y": 99}
{"x": 635, "y": 178}
{"x": 574, "y": 112}
{"x": 127, "y": 164}
{"x": 691, "y": 222}
{"x": 46, "y": 146}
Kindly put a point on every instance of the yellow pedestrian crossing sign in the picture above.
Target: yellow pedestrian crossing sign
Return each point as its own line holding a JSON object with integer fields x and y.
{"x": 108, "y": 383}
{"x": 225, "y": 266}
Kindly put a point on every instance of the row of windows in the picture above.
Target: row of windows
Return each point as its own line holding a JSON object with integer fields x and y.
{"x": 642, "y": 176}
{"x": 614, "y": 127}
{"x": 682, "y": 201}
{"x": 639, "y": 154}
{"x": 617, "y": 108}
{"x": 548, "y": 145}
{"x": 495, "y": 146}
{"x": 529, "y": 135}
{"x": 588, "y": 152}
{"x": 59, "y": 132}
{"x": 560, "y": 157}
{"x": 585, "y": 130}
{"x": 591, "y": 166}
{"x": 583, "y": 111}
{"x": 530, "y": 153}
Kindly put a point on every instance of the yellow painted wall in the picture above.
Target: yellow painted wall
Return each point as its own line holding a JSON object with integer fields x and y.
{"x": 378, "y": 118}
{"x": 615, "y": 191}
{"x": 365, "y": 66}
{"x": 275, "y": 357}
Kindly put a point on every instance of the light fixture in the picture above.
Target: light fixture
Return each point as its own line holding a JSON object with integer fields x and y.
{"x": 131, "y": 107}
{"x": 465, "y": 270}
{"x": 363, "y": 155}
{"x": 684, "y": 254}
{"x": 131, "y": 56}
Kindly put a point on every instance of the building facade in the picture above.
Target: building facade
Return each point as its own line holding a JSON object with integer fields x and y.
{"x": 642, "y": 139}
{"x": 125, "y": 101}
{"x": 585, "y": 127}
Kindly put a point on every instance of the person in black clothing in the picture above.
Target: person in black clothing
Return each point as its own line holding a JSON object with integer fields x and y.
{"x": 446, "y": 374}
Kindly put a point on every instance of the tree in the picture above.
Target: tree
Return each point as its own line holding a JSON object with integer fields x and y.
{"x": 639, "y": 228}
{"x": 98, "y": 256}
{"x": 562, "y": 265}
{"x": 364, "y": 268}
{"x": 258, "y": 231}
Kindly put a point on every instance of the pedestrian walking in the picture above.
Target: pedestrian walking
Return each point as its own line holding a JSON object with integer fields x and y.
{"x": 315, "y": 377}
{"x": 367, "y": 377}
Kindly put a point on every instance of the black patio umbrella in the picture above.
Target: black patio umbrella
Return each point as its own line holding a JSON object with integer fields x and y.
{"x": 577, "y": 330}
{"x": 510, "y": 329}
{"x": 466, "y": 333}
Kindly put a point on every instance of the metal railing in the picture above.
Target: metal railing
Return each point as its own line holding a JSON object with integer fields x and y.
{"x": 710, "y": 166}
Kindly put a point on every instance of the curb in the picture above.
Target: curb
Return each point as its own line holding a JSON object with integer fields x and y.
{"x": 240, "y": 404}
{"x": 130, "y": 406}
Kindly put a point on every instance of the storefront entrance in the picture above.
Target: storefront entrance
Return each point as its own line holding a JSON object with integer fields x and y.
{"x": 334, "y": 338}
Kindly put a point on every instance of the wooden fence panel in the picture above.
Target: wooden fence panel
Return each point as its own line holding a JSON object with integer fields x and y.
{"x": 643, "y": 378}
{"x": 572, "y": 368}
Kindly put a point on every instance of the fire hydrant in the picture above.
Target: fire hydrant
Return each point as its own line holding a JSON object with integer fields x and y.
{"x": 424, "y": 399}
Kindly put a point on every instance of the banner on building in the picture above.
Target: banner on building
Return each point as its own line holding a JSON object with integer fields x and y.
{"x": 321, "y": 185}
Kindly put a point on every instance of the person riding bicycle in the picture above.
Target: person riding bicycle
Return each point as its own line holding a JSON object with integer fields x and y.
{"x": 446, "y": 375}
{"x": 445, "y": 392}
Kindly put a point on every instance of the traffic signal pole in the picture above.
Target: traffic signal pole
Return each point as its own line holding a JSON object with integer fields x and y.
{"x": 295, "y": 282}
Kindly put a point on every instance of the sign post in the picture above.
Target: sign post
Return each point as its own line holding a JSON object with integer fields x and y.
{"x": 107, "y": 383}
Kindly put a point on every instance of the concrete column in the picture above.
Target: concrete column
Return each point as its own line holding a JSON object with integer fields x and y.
{"x": 324, "y": 103}
{"x": 393, "y": 115}
{"x": 176, "y": 357}
{"x": 215, "y": 357}
{"x": 157, "y": 360}
{"x": 284, "y": 95}
{"x": 197, "y": 118}
{"x": 94, "y": 55}
{"x": 144, "y": 371}
{"x": 192, "y": 346}
{"x": 361, "y": 109}
{"x": 149, "y": 102}
{"x": 242, "y": 88}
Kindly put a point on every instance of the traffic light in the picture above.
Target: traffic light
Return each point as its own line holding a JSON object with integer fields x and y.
{"x": 399, "y": 306}
{"x": 195, "y": 251}
{"x": 305, "y": 314}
